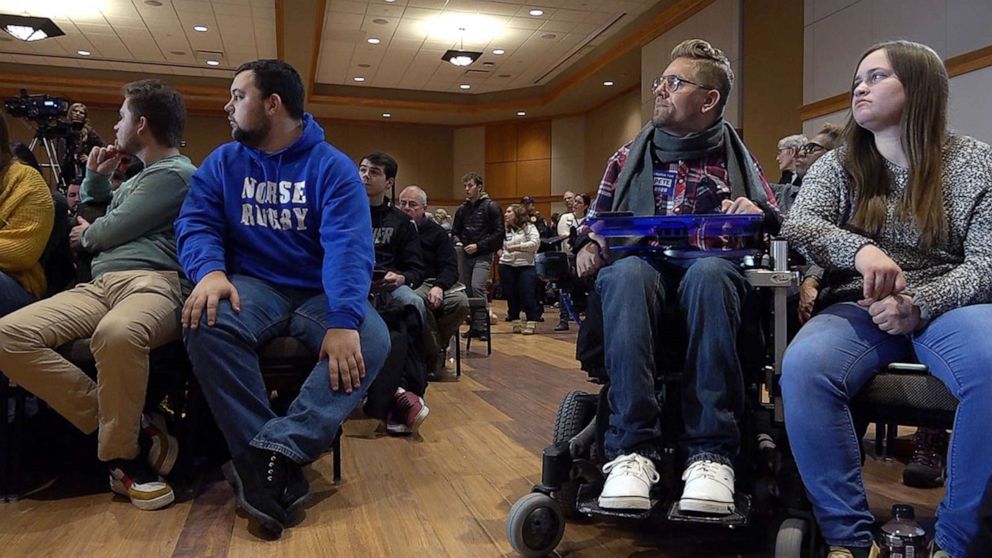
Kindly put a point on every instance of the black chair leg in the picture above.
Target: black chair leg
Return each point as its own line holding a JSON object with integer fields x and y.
{"x": 336, "y": 448}
{"x": 880, "y": 436}
{"x": 489, "y": 333}
{"x": 5, "y": 445}
{"x": 458, "y": 356}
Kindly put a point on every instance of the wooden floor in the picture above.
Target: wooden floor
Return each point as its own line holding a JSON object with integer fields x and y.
{"x": 445, "y": 492}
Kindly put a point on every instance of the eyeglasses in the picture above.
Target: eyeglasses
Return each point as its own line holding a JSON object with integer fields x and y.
{"x": 672, "y": 83}
{"x": 411, "y": 204}
{"x": 811, "y": 147}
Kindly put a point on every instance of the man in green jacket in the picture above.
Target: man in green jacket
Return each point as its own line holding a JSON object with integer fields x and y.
{"x": 131, "y": 306}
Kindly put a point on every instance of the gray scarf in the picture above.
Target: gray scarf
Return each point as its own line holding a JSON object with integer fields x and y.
{"x": 635, "y": 185}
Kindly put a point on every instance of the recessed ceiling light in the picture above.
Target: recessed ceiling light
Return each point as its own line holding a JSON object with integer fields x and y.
{"x": 213, "y": 63}
{"x": 536, "y": 12}
{"x": 358, "y": 78}
{"x": 364, "y": 65}
{"x": 390, "y": 1}
{"x": 488, "y": 63}
{"x": 153, "y": 3}
{"x": 380, "y": 21}
{"x": 373, "y": 40}
{"x": 521, "y": 113}
{"x": 387, "y": 115}
{"x": 608, "y": 83}
{"x": 83, "y": 52}
{"x": 549, "y": 36}
{"x": 498, "y": 51}
{"x": 465, "y": 86}
{"x": 200, "y": 28}
{"x": 178, "y": 52}
{"x": 503, "y": 76}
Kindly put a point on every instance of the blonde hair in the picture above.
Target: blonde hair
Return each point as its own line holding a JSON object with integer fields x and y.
{"x": 712, "y": 66}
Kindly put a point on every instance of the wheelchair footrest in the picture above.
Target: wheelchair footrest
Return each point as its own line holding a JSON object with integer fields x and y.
{"x": 589, "y": 505}
{"x": 739, "y": 518}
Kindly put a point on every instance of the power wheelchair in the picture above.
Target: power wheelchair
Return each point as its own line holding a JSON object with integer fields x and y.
{"x": 770, "y": 499}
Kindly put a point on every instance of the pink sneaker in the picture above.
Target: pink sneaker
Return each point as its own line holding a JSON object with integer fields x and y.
{"x": 407, "y": 414}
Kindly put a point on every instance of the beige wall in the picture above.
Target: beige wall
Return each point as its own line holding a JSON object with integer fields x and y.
{"x": 775, "y": 76}
{"x": 608, "y": 128}
{"x": 836, "y": 32}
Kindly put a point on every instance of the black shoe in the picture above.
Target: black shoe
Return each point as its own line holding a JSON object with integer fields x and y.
{"x": 926, "y": 469}
{"x": 562, "y": 326}
{"x": 482, "y": 335}
{"x": 470, "y": 333}
{"x": 260, "y": 478}
{"x": 297, "y": 492}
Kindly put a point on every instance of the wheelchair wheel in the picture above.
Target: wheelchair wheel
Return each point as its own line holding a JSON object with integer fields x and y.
{"x": 792, "y": 538}
{"x": 535, "y": 525}
{"x": 576, "y": 410}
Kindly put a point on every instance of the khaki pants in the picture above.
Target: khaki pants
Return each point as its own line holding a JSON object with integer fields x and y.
{"x": 442, "y": 322}
{"x": 125, "y": 314}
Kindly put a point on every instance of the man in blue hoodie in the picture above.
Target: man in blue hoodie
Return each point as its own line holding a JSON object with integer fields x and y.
{"x": 276, "y": 233}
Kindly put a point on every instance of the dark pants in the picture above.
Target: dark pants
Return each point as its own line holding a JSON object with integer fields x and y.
{"x": 518, "y": 284}
{"x": 710, "y": 295}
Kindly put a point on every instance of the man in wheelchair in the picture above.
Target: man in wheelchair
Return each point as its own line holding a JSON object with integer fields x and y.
{"x": 688, "y": 160}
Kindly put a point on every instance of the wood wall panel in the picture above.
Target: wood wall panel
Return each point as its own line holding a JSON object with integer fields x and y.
{"x": 533, "y": 177}
{"x": 501, "y": 179}
{"x": 534, "y": 140}
{"x": 501, "y": 143}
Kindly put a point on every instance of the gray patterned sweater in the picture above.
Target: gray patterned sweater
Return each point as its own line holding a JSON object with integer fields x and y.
{"x": 956, "y": 273}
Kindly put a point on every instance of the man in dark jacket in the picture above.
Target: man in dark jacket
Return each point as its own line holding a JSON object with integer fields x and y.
{"x": 396, "y": 397}
{"x": 478, "y": 231}
{"x": 444, "y": 295}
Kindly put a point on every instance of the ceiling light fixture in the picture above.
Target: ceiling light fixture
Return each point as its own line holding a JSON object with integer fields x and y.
{"x": 535, "y": 12}
{"x": 465, "y": 86}
{"x": 29, "y": 29}
{"x": 83, "y": 52}
{"x": 373, "y": 40}
{"x": 498, "y": 51}
{"x": 460, "y": 57}
{"x": 387, "y": 115}
{"x": 200, "y": 28}
{"x": 608, "y": 83}
{"x": 213, "y": 63}
{"x": 521, "y": 113}
{"x": 358, "y": 79}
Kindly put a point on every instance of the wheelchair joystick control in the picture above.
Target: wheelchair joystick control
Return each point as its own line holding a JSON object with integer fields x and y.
{"x": 902, "y": 536}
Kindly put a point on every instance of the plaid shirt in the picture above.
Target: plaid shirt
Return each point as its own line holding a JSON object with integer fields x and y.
{"x": 680, "y": 188}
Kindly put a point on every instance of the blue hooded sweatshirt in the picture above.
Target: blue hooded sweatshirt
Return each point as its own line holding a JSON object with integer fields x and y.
{"x": 295, "y": 218}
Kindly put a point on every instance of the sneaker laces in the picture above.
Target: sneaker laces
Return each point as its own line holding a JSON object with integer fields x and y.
{"x": 633, "y": 464}
{"x": 709, "y": 470}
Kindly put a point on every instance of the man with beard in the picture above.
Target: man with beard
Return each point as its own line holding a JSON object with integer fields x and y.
{"x": 687, "y": 160}
{"x": 276, "y": 233}
{"x": 131, "y": 306}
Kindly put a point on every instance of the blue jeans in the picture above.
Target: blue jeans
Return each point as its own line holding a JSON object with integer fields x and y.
{"x": 225, "y": 360}
{"x": 834, "y": 355}
{"x": 12, "y": 295}
{"x": 710, "y": 294}
{"x": 519, "y": 284}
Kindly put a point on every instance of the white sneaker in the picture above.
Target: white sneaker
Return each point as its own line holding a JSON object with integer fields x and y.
{"x": 629, "y": 484}
{"x": 709, "y": 488}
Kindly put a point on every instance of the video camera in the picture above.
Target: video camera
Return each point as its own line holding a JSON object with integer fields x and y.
{"x": 46, "y": 111}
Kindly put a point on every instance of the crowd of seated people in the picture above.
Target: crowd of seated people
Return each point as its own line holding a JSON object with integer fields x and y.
{"x": 891, "y": 213}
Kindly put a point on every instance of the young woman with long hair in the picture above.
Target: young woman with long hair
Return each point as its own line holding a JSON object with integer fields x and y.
{"x": 517, "y": 273}
{"x": 902, "y": 215}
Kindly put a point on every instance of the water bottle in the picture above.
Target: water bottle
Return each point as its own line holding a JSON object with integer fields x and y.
{"x": 902, "y": 536}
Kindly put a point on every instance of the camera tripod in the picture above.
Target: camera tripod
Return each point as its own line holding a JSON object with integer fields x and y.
{"x": 43, "y": 135}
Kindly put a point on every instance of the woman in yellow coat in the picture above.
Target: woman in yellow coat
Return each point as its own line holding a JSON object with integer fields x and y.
{"x": 26, "y": 217}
